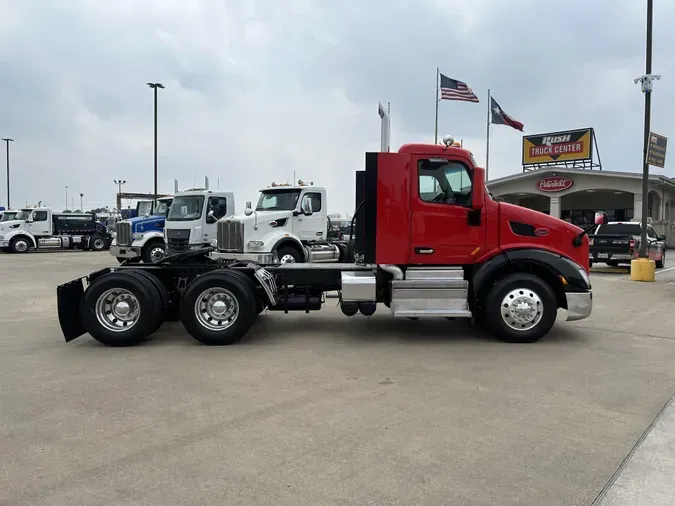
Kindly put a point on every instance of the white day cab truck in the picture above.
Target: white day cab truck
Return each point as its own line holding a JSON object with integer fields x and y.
{"x": 191, "y": 221}
{"x": 40, "y": 228}
{"x": 288, "y": 225}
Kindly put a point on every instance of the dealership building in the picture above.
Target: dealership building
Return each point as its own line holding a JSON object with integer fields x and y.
{"x": 561, "y": 177}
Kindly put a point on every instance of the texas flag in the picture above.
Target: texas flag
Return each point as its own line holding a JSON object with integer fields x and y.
{"x": 499, "y": 117}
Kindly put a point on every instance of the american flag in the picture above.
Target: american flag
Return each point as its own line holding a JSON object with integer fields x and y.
{"x": 451, "y": 89}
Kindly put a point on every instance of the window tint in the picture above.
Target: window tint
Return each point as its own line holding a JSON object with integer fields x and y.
{"x": 40, "y": 216}
{"x": 620, "y": 229}
{"x": 651, "y": 232}
{"x": 444, "y": 182}
{"x": 316, "y": 201}
{"x": 219, "y": 206}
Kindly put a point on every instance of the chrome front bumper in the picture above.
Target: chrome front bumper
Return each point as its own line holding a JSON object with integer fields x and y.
{"x": 579, "y": 305}
{"x": 4, "y": 244}
{"x": 261, "y": 258}
{"x": 124, "y": 251}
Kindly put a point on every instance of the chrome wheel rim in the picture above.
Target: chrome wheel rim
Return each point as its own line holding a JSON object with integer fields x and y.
{"x": 522, "y": 309}
{"x": 99, "y": 244}
{"x": 21, "y": 245}
{"x": 117, "y": 310}
{"x": 287, "y": 259}
{"x": 156, "y": 254}
{"x": 217, "y": 309}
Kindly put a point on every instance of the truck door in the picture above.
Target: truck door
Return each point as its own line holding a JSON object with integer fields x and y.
{"x": 219, "y": 207}
{"x": 440, "y": 206}
{"x": 40, "y": 225}
{"x": 314, "y": 227}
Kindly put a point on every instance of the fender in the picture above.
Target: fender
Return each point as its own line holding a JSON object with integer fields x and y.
{"x": 289, "y": 239}
{"x": 555, "y": 264}
{"x": 147, "y": 236}
{"x": 20, "y": 231}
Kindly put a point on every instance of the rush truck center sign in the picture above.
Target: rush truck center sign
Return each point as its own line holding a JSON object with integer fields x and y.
{"x": 558, "y": 147}
{"x": 554, "y": 184}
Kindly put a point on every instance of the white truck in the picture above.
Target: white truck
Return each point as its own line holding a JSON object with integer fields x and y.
{"x": 40, "y": 228}
{"x": 288, "y": 225}
{"x": 192, "y": 218}
{"x": 142, "y": 237}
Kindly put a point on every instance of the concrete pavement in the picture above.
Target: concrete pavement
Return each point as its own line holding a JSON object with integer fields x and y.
{"x": 322, "y": 409}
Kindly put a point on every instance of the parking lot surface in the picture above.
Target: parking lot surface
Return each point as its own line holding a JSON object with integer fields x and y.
{"x": 325, "y": 409}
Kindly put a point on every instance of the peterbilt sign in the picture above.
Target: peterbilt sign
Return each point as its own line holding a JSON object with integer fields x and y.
{"x": 554, "y": 184}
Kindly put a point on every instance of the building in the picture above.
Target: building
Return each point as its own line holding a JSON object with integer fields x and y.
{"x": 576, "y": 194}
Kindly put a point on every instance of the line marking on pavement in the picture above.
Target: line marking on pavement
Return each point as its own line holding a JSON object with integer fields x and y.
{"x": 632, "y": 452}
{"x": 665, "y": 270}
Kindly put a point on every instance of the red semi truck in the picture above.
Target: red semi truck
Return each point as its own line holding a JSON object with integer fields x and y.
{"x": 428, "y": 242}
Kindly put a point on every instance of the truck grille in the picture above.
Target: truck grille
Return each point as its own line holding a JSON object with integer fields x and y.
{"x": 231, "y": 235}
{"x": 177, "y": 240}
{"x": 123, "y": 233}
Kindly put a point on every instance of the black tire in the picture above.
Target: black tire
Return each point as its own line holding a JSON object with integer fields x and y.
{"x": 161, "y": 292}
{"x": 239, "y": 290}
{"x": 20, "y": 244}
{"x": 612, "y": 263}
{"x": 290, "y": 251}
{"x": 148, "y": 254}
{"x": 530, "y": 287}
{"x": 344, "y": 252}
{"x": 260, "y": 302}
{"x": 97, "y": 243}
{"x": 660, "y": 264}
{"x": 149, "y": 306}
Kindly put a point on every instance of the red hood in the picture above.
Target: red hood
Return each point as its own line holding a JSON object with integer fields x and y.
{"x": 549, "y": 233}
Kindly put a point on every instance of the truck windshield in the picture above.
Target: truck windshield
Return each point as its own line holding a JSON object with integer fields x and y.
{"x": 23, "y": 214}
{"x": 144, "y": 207}
{"x": 619, "y": 229}
{"x": 186, "y": 208}
{"x": 162, "y": 207}
{"x": 8, "y": 216}
{"x": 278, "y": 200}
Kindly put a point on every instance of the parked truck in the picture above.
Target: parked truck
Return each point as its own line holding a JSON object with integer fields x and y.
{"x": 280, "y": 229}
{"x": 191, "y": 222}
{"x": 429, "y": 243}
{"x": 618, "y": 242}
{"x": 142, "y": 238}
{"x": 41, "y": 228}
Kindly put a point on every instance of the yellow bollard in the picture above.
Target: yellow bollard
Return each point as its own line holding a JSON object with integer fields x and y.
{"x": 642, "y": 269}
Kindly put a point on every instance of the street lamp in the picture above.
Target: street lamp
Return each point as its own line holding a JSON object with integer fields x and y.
{"x": 119, "y": 183}
{"x": 155, "y": 87}
{"x": 7, "y": 141}
{"x": 646, "y": 86}
{"x": 81, "y": 208}
{"x": 66, "y": 198}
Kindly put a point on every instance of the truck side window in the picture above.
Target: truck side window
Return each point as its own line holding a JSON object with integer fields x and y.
{"x": 316, "y": 201}
{"x": 40, "y": 216}
{"x": 219, "y": 206}
{"x": 444, "y": 182}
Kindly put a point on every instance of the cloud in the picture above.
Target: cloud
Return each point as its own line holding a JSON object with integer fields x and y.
{"x": 257, "y": 91}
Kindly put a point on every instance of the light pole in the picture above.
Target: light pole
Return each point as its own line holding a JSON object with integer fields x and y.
{"x": 81, "y": 208}
{"x": 646, "y": 86}
{"x": 7, "y": 141}
{"x": 66, "y": 198}
{"x": 155, "y": 87}
{"x": 119, "y": 183}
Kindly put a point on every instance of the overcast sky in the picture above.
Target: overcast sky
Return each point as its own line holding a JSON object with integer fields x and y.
{"x": 258, "y": 89}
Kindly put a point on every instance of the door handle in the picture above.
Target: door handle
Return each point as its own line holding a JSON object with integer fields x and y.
{"x": 424, "y": 251}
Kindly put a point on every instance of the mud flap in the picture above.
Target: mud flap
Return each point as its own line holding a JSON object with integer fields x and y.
{"x": 68, "y": 298}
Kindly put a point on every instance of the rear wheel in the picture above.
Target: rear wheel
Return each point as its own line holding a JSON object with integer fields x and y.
{"x": 660, "y": 264}
{"x": 521, "y": 308}
{"x": 612, "y": 263}
{"x": 119, "y": 309}
{"x": 161, "y": 292}
{"x": 218, "y": 308}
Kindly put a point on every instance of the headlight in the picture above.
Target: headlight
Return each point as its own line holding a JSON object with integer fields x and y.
{"x": 214, "y": 243}
{"x": 255, "y": 244}
{"x": 137, "y": 235}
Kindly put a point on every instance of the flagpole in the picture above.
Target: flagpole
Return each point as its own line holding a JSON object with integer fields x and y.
{"x": 436, "y": 127}
{"x": 487, "y": 146}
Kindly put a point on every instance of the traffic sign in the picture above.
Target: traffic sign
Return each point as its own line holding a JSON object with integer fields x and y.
{"x": 656, "y": 150}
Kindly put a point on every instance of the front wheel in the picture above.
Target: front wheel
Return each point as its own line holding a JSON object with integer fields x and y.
{"x": 218, "y": 308}
{"x": 19, "y": 245}
{"x": 521, "y": 308}
{"x": 153, "y": 252}
{"x": 660, "y": 264}
{"x": 289, "y": 255}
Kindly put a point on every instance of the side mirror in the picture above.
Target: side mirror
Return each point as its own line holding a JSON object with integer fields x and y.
{"x": 478, "y": 191}
{"x": 307, "y": 207}
{"x": 661, "y": 237}
{"x": 248, "y": 211}
{"x": 211, "y": 218}
{"x": 601, "y": 218}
